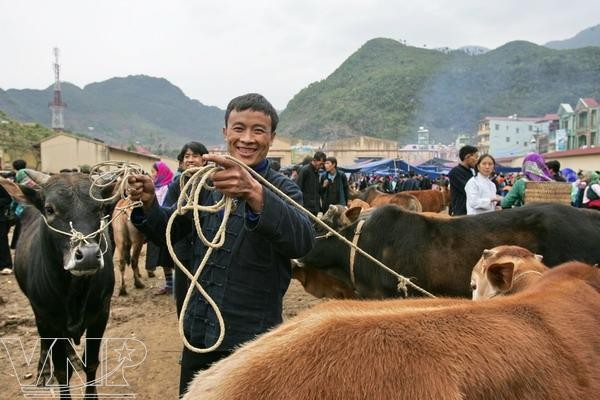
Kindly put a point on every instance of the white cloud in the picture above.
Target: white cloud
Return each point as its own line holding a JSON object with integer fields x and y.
{"x": 216, "y": 50}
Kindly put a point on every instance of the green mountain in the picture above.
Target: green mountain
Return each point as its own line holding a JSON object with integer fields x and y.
{"x": 387, "y": 89}
{"x": 123, "y": 110}
{"x": 587, "y": 37}
{"x": 17, "y": 138}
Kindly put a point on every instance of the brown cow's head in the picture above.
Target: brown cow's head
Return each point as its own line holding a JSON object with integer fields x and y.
{"x": 72, "y": 220}
{"x": 504, "y": 270}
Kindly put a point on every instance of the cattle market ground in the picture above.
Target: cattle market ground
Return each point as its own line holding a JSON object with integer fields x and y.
{"x": 147, "y": 321}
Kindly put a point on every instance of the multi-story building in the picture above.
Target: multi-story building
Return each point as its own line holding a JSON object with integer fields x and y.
{"x": 578, "y": 128}
{"x": 565, "y": 134}
{"x": 586, "y": 123}
{"x": 513, "y": 135}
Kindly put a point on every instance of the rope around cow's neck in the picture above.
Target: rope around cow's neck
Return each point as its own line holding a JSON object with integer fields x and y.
{"x": 101, "y": 179}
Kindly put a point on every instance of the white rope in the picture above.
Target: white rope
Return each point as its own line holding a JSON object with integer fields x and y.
{"x": 76, "y": 237}
{"x": 107, "y": 173}
{"x": 188, "y": 201}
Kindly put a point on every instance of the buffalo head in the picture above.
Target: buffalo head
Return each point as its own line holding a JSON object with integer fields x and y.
{"x": 71, "y": 222}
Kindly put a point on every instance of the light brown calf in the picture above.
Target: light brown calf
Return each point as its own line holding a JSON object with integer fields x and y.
{"x": 128, "y": 245}
{"x": 541, "y": 343}
{"x": 504, "y": 270}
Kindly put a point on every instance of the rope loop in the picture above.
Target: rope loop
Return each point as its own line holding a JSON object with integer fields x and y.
{"x": 110, "y": 173}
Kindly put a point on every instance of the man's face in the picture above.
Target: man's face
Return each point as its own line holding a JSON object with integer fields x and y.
{"x": 191, "y": 159}
{"x": 318, "y": 164}
{"x": 248, "y": 136}
{"x": 471, "y": 159}
{"x": 329, "y": 166}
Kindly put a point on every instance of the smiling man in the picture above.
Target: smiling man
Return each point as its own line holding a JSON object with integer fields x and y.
{"x": 249, "y": 275}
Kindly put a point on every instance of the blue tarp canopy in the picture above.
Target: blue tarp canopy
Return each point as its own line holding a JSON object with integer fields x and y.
{"x": 388, "y": 167}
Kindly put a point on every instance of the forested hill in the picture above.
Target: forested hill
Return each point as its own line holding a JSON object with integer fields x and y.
{"x": 121, "y": 110}
{"x": 387, "y": 89}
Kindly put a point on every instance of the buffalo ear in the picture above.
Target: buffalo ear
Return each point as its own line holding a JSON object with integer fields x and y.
{"x": 500, "y": 276}
{"x": 353, "y": 213}
{"x": 23, "y": 194}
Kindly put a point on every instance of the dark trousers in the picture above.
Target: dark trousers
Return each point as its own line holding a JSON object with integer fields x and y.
{"x": 5, "y": 257}
{"x": 191, "y": 363}
{"x": 182, "y": 283}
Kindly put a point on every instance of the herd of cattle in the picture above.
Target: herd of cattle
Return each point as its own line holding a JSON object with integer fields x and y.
{"x": 535, "y": 340}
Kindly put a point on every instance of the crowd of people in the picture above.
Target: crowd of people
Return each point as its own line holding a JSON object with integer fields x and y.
{"x": 476, "y": 188}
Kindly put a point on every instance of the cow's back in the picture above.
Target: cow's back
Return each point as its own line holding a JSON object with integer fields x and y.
{"x": 438, "y": 254}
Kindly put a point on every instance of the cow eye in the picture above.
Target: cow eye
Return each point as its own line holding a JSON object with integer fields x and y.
{"x": 473, "y": 286}
{"x": 49, "y": 210}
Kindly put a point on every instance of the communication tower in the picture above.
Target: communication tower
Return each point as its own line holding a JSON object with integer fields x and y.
{"x": 57, "y": 104}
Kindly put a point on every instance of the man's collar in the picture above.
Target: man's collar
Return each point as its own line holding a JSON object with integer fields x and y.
{"x": 261, "y": 166}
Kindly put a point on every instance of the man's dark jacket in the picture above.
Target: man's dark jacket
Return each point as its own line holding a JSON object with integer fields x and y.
{"x": 459, "y": 176}
{"x": 308, "y": 180}
{"x": 249, "y": 275}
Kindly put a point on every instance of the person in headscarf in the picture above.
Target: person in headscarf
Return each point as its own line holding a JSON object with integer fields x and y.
{"x": 161, "y": 176}
{"x": 535, "y": 170}
{"x": 591, "y": 196}
{"x": 569, "y": 174}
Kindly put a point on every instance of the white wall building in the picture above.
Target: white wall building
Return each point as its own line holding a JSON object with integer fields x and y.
{"x": 515, "y": 136}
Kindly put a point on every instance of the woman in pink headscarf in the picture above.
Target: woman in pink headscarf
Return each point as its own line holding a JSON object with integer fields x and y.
{"x": 162, "y": 176}
{"x": 534, "y": 169}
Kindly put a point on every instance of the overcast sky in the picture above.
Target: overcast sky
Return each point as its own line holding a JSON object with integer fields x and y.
{"x": 215, "y": 50}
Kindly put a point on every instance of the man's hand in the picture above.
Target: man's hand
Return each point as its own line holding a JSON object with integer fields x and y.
{"x": 141, "y": 187}
{"x": 235, "y": 181}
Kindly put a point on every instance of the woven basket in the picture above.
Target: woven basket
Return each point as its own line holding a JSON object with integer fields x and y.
{"x": 547, "y": 192}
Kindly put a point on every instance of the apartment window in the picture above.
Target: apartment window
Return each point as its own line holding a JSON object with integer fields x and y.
{"x": 530, "y": 128}
{"x": 517, "y": 130}
{"x": 517, "y": 142}
{"x": 507, "y": 139}
{"x": 524, "y": 144}
{"x": 497, "y": 127}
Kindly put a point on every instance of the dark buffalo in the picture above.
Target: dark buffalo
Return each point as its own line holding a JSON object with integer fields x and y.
{"x": 68, "y": 279}
{"x": 439, "y": 254}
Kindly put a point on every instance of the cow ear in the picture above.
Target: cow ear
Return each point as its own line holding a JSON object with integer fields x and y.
{"x": 21, "y": 193}
{"x": 353, "y": 213}
{"x": 500, "y": 276}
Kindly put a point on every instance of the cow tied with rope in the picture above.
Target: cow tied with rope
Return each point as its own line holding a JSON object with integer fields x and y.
{"x": 439, "y": 254}
{"x": 63, "y": 264}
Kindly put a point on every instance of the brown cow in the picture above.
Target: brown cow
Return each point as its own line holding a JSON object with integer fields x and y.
{"x": 431, "y": 200}
{"x": 541, "y": 343}
{"x": 376, "y": 198}
{"x": 128, "y": 245}
{"x": 359, "y": 203}
{"x": 504, "y": 270}
{"x": 322, "y": 285}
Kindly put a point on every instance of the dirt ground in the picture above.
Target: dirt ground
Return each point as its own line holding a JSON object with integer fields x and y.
{"x": 141, "y": 355}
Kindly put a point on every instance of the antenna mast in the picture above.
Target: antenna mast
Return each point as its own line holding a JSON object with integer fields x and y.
{"x": 57, "y": 104}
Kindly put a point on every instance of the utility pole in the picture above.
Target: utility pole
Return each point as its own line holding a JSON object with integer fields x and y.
{"x": 57, "y": 104}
